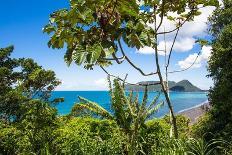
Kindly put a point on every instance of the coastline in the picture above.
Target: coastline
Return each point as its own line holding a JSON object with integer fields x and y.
{"x": 194, "y": 113}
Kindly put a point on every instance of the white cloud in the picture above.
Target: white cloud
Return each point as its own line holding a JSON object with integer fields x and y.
{"x": 185, "y": 40}
{"x": 146, "y": 50}
{"x": 206, "y": 52}
{"x": 101, "y": 83}
{"x": 181, "y": 45}
{"x": 150, "y": 50}
{"x": 198, "y": 26}
{"x": 204, "y": 56}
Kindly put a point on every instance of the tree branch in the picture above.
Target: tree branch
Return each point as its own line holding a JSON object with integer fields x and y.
{"x": 132, "y": 64}
{"x": 173, "y": 43}
{"x": 178, "y": 27}
{"x": 162, "y": 16}
{"x": 124, "y": 80}
{"x": 176, "y": 71}
{"x": 117, "y": 59}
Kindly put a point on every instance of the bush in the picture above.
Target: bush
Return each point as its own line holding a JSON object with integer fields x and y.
{"x": 13, "y": 141}
{"x": 88, "y": 136}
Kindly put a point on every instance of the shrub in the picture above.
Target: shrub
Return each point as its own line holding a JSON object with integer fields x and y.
{"x": 88, "y": 136}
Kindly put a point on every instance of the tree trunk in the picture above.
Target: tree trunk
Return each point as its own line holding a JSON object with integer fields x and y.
{"x": 170, "y": 107}
{"x": 165, "y": 91}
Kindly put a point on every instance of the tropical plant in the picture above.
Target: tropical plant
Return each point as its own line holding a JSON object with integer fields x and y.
{"x": 188, "y": 146}
{"x": 203, "y": 147}
{"x": 128, "y": 112}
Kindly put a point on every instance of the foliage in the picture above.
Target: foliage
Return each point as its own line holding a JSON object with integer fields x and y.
{"x": 202, "y": 147}
{"x": 91, "y": 29}
{"x": 26, "y": 115}
{"x": 219, "y": 120}
{"x": 129, "y": 114}
{"x": 220, "y": 18}
{"x": 87, "y": 136}
{"x": 183, "y": 124}
{"x": 89, "y": 108}
{"x": 33, "y": 133}
{"x": 21, "y": 80}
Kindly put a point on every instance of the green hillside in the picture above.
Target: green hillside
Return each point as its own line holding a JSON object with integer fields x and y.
{"x": 182, "y": 86}
{"x": 150, "y": 88}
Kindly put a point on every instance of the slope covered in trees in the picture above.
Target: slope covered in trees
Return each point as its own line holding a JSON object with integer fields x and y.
{"x": 181, "y": 86}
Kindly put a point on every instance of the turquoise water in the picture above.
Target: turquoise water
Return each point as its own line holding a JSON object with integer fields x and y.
{"x": 180, "y": 100}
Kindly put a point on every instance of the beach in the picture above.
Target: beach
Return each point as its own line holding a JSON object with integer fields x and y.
{"x": 195, "y": 112}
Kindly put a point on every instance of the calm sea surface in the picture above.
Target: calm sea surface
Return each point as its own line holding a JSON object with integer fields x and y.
{"x": 180, "y": 100}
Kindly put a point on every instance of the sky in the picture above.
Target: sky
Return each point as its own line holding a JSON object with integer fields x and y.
{"x": 22, "y": 22}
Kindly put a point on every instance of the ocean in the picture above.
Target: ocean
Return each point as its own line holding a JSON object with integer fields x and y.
{"x": 180, "y": 100}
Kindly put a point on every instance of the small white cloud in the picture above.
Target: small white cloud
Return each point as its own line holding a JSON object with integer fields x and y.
{"x": 204, "y": 56}
{"x": 102, "y": 83}
{"x": 181, "y": 45}
{"x": 149, "y": 50}
{"x": 146, "y": 50}
{"x": 66, "y": 85}
{"x": 184, "y": 44}
{"x": 189, "y": 61}
{"x": 206, "y": 52}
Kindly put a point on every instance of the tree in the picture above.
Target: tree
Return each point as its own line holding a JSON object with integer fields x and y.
{"x": 220, "y": 122}
{"x": 21, "y": 81}
{"x": 94, "y": 31}
{"x": 27, "y": 118}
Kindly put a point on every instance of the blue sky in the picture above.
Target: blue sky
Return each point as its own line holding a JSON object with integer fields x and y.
{"x": 22, "y": 22}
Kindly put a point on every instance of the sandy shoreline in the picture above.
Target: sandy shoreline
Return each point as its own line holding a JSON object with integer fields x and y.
{"x": 194, "y": 113}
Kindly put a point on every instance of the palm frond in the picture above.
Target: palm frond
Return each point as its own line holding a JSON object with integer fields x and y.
{"x": 154, "y": 102}
{"x": 130, "y": 104}
{"x": 86, "y": 106}
{"x": 154, "y": 109}
{"x": 200, "y": 146}
{"x": 145, "y": 97}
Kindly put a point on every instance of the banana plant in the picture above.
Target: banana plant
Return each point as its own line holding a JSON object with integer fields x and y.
{"x": 128, "y": 112}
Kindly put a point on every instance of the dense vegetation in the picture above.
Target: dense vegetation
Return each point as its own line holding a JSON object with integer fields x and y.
{"x": 29, "y": 123}
{"x": 219, "y": 120}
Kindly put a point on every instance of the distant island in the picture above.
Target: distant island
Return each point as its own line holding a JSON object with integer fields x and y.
{"x": 181, "y": 86}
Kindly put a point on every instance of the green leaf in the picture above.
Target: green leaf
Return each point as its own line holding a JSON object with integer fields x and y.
{"x": 135, "y": 41}
{"x": 202, "y": 42}
{"x": 94, "y": 52}
{"x": 79, "y": 55}
{"x": 109, "y": 51}
{"x": 68, "y": 56}
{"x": 171, "y": 18}
{"x": 49, "y": 28}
